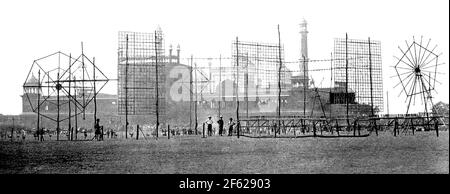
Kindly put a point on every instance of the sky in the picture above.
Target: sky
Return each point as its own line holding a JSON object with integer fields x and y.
{"x": 206, "y": 28}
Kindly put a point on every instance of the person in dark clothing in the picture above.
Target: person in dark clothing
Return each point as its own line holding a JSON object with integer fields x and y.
{"x": 220, "y": 122}
{"x": 231, "y": 123}
{"x": 36, "y": 135}
{"x": 23, "y": 134}
{"x": 97, "y": 129}
{"x": 101, "y": 133}
{"x": 85, "y": 133}
{"x": 209, "y": 123}
{"x": 41, "y": 133}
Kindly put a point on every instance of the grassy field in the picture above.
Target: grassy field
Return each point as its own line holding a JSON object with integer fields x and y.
{"x": 421, "y": 153}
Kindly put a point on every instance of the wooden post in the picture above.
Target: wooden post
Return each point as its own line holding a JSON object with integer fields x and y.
{"x": 102, "y": 134}
{"x": 239, "y": 128}
{"x": 69, "y": 100}
{"x": 83, "y": 88}
{"x": 305, "y": 80}
{"x": 38, "y": 103}
{"x": 220, "y": 82}
{"x": 203, "y": 130}
{"x": 436, "y": 127}
{"x": 320, "y": 128}
{"x": 137, "y": 132}
{"x": 279, "y": 82}
{"x": 95, "y": 96}
{"x": 237, "y": 85}
{"x": 331, "y": 83}
{"x": 246, "y": 86}
{"x": 196, "y": 126}
{"x": 58, "y": 106}
{"x": 196, "y": 96}
{"x": 314, "y": 128}
{"x": 346, "y": 80}
{"x": 157, "y": 82}
{"x": 259, "y": 127}
{"x": 168, "y": 131}
{"x": 190, "y": 97}
{"x": 303, "y": 126}
{"x": 376, "y": 128}
{"x": 126, "y": 89}
{"x": 370, "y": 78}
{"x": 76, "y": 115}
{"x": 395, "y": 127}
{"x": 12, "y": 129}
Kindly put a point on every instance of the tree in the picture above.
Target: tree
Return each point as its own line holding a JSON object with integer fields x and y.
{"x": 441, "y": 108}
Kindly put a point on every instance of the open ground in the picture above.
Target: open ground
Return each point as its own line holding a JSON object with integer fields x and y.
{"x": 419, "y": 153}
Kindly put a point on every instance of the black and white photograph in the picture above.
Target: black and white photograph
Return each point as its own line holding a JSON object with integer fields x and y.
{"x": 224, "y": 87}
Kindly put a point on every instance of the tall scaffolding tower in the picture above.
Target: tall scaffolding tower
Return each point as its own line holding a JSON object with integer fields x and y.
{"x": 141, "y": 74}
{"x": 359, "y": 75}
{"x": 261, "y": 61}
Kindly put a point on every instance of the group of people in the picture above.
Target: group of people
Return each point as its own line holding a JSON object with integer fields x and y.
{"x": 98, "y": 131}
{"x": 209, "y": 124}
{"x": 19, "y": 134}
{"x": 39, "y": 134}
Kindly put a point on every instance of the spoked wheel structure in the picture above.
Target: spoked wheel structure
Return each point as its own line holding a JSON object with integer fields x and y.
{"x": 417, "y": 70}
{"x": 60, "y": 87}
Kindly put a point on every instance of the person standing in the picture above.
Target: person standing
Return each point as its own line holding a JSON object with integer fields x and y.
{"x": 220, "y": 122}
{"x": 97, "y": 129}
{"x": 85, "y": 133}
{"x": 41, "y": 133}
{"x": 209, "y": 123}
{"x": 36, "y": 135}
{"x": 23, "y": 134}
{"x": 231, "y": 123}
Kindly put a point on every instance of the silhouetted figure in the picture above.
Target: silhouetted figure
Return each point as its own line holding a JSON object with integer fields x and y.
{"x": 209, "y": 123}
{"x": 68, "y": 134}
{"x": 41, "y": 134}
{"x": 220, "y": 122}
{"x": 97, "y": 129}
{"x": 23, "y": 134}
{"x": 85, "y": 133}
{"x": 231, "y": 123}
{"x": 36, "y": 135}
{"x": 101, "y": 133}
